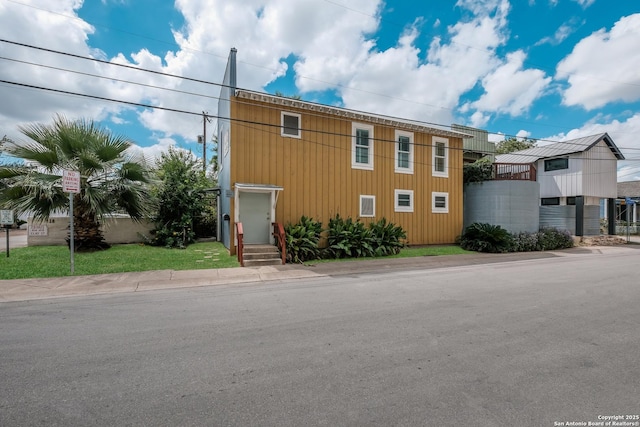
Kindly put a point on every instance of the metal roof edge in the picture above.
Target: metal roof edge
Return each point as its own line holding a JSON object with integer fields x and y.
{"x": 347, "y": 113}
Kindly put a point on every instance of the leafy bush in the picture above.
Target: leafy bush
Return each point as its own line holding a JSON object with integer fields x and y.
{"x": 348, "y": 239}
{"x": 181, "y": 205}
{"x": 551, "y": 239}
{"x": 387, "y": 237}
{"x": 526, "y": 242}
{"x": 482, "y": 237}
{"x": 544, "y": 240}
{"x": 302, "y": 240}
{"x": 477, "y": 172}
{"x": 351, "y": 239}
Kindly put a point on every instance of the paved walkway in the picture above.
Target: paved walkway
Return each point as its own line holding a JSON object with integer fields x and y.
{"x": 33, "y": 289}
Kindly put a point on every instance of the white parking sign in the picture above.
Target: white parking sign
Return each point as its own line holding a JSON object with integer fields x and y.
{"x": 6, "y": 217}
{"x": 70, "y": 181}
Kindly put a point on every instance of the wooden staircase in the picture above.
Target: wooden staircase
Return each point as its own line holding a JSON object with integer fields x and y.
{"x": 259, "y": 255}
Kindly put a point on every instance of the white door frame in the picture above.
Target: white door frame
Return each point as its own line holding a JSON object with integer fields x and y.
{"x": 273, "y": 190}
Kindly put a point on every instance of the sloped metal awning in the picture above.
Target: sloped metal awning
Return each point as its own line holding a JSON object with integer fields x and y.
{"x": 257, "y": 187}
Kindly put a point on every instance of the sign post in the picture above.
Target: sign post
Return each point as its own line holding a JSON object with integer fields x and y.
{"x": 71, "y": 185}
{"x": 6, "y": 219}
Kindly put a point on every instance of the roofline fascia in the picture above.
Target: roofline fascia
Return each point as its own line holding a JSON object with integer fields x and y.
{"x": 346, "y": 113}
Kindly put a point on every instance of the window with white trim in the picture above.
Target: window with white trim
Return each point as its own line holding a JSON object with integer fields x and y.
{"x": 362, "y": 146}
{"x": 404, "y": 200}
{"x": 440, "y": 158}
{"x": 290, "y": 125}
{"x": 367, "y": 206}
{"x": 440, "y": 202}
{"x": 404, "y": 152}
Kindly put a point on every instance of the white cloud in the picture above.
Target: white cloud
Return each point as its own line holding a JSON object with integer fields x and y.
{"x": 585, "y": 3}
{"x": 510, "y": 89}
{"x": 603, "y": 67}
{"x": 560, "y": 35}
{"x": 399, "y": 81}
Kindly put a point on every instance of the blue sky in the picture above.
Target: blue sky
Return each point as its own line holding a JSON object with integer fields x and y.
{"x": 545, "y": 69}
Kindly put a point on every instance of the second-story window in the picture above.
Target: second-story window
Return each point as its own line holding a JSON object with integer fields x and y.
{"x": 404, "y": 152}
{"x": 290, "y": 125}
{"x": 362, "y": 146}
{"x": 440, "y": 157}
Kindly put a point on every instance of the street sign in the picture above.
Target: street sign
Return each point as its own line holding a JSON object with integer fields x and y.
{"x": 70, "y": 181}
{"x": 629, "y": 201}
{"x": 6, "y": 217}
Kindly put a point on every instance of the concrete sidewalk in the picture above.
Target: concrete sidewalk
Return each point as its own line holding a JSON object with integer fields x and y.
{"x": 33, "y": 289}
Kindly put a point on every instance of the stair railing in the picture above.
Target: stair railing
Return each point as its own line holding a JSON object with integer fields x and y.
{"x": 281, "y": 240}
{"x": 240, "y": 248}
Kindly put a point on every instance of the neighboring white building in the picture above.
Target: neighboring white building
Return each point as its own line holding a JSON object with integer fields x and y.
{"x": 574, "y": 176}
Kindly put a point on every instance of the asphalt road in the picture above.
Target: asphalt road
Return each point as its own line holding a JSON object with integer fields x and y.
{"x": 531, "y": 343}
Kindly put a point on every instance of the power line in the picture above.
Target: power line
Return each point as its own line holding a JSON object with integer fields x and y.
{"x": 227, "y": 86}
{"x": 175, "y": 110}
{"x": 108, "y": 78}
{"x": 102, "y": 61}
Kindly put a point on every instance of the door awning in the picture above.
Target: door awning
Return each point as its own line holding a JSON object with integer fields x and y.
{"x": 257, "y": 187}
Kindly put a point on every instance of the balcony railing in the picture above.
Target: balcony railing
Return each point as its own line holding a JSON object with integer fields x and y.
{"x": 514, "y": 171}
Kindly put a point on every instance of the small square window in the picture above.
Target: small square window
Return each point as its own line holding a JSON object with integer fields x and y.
{"x": 367, "y": 206}
{"x": 404, "y": 200}
{"x": 440, "y": 202}
{"x": 291, "y": 125}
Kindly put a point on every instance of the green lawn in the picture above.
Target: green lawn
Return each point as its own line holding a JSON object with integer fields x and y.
{"x": 54, "y": 261}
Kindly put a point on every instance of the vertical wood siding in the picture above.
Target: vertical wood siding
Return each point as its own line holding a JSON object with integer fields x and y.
{"x": 319, "y": 182}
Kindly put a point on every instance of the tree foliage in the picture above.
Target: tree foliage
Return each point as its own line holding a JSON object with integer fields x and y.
{"x": 509, "y": 145}
{"x": 111, "y": 179}
{"x": 181, "y": 204}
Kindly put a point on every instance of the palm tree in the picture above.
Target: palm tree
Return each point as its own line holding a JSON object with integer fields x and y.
{"x": 111, "y": 180}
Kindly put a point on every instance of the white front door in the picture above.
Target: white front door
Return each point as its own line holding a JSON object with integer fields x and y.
{"x": 255, "y": 216}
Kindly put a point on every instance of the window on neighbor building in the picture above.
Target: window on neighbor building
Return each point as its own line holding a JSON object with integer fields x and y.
{"x": 404, "y": 200}
{"x": 556, "y": 164}
{"x": 362, "y": 146}
{"x": 440, "y": 202}
{"x": 571, "y": 201}
{"x": 440, "y": 149}
{"x": 367, "y": 206}
{"x": 550, "y": 201}
{"x": 404, "y": 152}
{"x": 291, "y": 125}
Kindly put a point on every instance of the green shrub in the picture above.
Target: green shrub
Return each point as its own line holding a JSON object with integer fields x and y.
{"x": 551, "y": 239}
{"x": 387, "y": 237}
{"x": 477, "y": 172}
{"x": 303, "y": 239}
{"x": 348, "y": 239}
{"x": 526, "y": 242}
{"x": 481, "y": 237}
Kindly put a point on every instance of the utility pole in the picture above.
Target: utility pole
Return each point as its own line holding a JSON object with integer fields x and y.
{"x": 203, "y": 140}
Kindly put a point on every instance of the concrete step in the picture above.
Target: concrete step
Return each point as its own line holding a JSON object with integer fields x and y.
{"x": 261, "y": 262}
{"x": 257, "y": 255}
{"x": 260, "y": 249}
{"x": 261, "y": 255}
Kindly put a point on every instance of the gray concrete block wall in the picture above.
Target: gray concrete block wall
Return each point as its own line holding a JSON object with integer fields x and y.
{"x": 117, "y": 230}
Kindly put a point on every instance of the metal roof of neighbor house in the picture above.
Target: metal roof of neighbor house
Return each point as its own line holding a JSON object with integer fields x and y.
{"x": 629, "y": 189}
{"x": 557, "y": 149}
{"x": 349, "y": 114}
